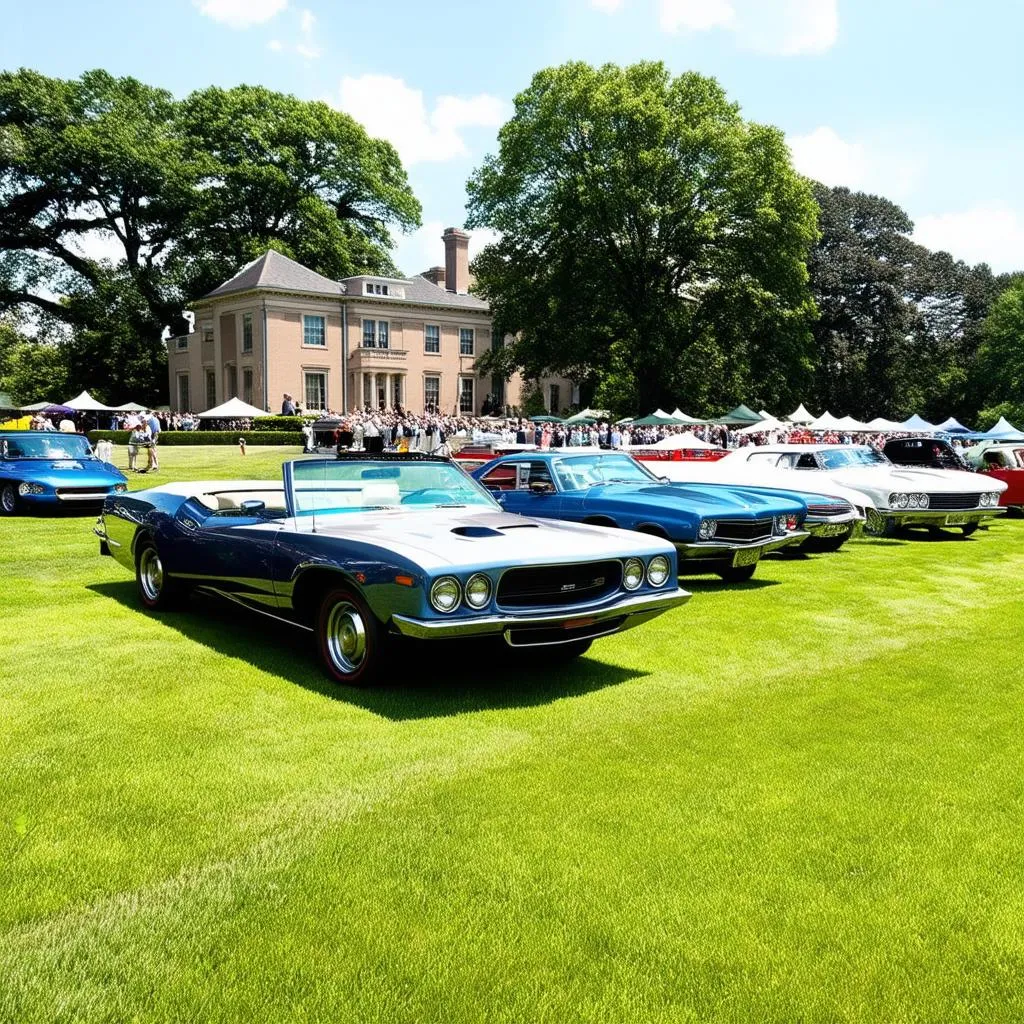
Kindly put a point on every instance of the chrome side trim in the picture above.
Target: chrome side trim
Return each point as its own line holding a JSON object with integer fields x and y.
{"x": 712, "y": 549}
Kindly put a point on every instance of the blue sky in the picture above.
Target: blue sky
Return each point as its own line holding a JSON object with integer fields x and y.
{"x": 918, "y": 100}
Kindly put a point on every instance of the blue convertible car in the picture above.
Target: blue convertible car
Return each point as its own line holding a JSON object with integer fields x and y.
{"x": 714, "y": 528}
{"x": 43, "y": 469}
{"x": 364, "y": 547}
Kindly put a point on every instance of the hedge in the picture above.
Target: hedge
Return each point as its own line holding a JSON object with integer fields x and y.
{"x": 262, "y": 423}
{"x": 169, "y": 438}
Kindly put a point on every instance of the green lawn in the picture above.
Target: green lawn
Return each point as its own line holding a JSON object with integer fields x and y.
{"x": 798, "y": 799}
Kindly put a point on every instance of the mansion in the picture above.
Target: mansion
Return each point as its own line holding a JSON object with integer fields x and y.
{"x": 277, "y": 327}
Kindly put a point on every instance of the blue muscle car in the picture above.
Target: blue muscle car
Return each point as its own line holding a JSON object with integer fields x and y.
{"x": 40, "y": 469}
{"x": 714, "y": 528}
{"x": 366, "y": 546}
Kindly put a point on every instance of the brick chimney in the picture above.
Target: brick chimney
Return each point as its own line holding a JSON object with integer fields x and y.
{"x": 435, "y": 275}
{"x": 456, "y": 260}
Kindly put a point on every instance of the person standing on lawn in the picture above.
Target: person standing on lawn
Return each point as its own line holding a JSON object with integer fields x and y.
{"x": 154, "y": 431}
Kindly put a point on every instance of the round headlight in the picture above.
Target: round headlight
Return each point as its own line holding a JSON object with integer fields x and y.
{"x": 912, "y": 500}
{"x": 658, "y": 570}
{"x": 902, "y": 500}
{"x": 632, "y": 573}
{"x": 993, "y": 498}
{"x": 707, "y": 529}
{"x": 24, "y": 488}
{"x": 478, "y": 591}
{"x": 922, "y": 500}
{"x": 780, "y": 524}
{"x": 983, "y": 498}
{"x": 445, "y": 594}
{"x": 120, "y": 488}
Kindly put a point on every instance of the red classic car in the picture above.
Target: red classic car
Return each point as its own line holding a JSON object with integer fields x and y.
{"x": 1006, "y": 462}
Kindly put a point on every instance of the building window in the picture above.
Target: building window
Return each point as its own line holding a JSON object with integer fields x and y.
{"x": 184, "y": 403}
{"x": 314, "y": 331}
{"x": 316, "y": 391}
{"x": 554, "y": 399}
{"x": 466, "y": 395}
{"x": 208, "y": 334}
{"x": 431, "y": 393}
{"x": 181, "y": 343}
{"x": 369, "y": 334}
{"x": 231, "y": 382}
{"x": 382, "y": 333}
{"x": 465, "y": 341}
{"x": 431, "y": 338}
{"x": 396, "y": 390}
{"x": 247, "y": 332}
{"x": 247, "y": 385}
{"x": 211, "y": 389}
{"x": 376, "y": 289}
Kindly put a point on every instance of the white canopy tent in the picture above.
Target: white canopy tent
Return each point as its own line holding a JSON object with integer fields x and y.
{"x": 917, "y": 423}
{"x": 675, "y": 442}
{"x": 130, "y": 407}
{"x": 768, "y": 423}
{"x": 800, "y": 416}
{"x": 1003, "y": 428}
{"x": 952, "y": 426}
{"x": 661, "y": 412}
{"x": 883, "y": 425}
{"x": 37, "y": 406}
{"x": 826, "y": 421}
{"x": 86, "y": 403}
{"x": 233, "y": 409}
{"x": 849, "y": 423}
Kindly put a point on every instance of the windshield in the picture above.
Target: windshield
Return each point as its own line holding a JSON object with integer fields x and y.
{"x": 45, "y": 446}
{"x": 362, "y": 485}
{"x": 576, "y": 472}
{"x": 844, "y": 458}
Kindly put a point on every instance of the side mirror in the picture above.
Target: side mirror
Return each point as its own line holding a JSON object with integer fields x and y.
{"x": 252, "y": 507}
{"x": 664, "y": 479}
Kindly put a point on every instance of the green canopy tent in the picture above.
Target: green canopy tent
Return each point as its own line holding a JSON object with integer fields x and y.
{"x": 658, "y": 421}
{"x": 741, "y": 416}
{"x": 588, "y": 416}
{"x": 546, "y": 419}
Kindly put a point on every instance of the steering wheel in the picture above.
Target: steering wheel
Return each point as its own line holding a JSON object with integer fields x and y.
{"x": 427, "y": 496}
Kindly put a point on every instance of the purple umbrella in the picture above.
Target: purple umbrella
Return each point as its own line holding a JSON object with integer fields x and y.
{"x": 60, "y": 410}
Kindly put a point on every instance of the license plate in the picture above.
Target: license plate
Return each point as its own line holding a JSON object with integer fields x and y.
{"x": 958, "y": 519}
{"x": 746, "y": 556}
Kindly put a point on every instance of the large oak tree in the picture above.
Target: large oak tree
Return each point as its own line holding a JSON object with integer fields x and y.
{"x": 653, "y": 242}
{"x": 180, "y": 193}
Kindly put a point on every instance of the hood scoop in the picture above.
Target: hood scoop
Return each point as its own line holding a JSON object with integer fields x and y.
{"x": 475, "y": 531}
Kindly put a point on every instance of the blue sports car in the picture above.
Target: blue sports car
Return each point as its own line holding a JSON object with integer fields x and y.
{"x": 43, "y": 469}
{"x": 366, "y": 547}
{"x": 714, "y": 528}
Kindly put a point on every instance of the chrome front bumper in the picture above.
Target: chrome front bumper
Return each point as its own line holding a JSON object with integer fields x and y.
{"x": 732, "y": 551}
{"x": 938, "y": 517}
{"x": 545, "y": 629}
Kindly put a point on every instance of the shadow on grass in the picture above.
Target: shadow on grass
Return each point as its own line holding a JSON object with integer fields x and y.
{"x": 716, "y": 585}
{"x": 428, "y": 679}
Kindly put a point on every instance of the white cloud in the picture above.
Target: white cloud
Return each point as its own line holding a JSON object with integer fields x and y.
{"x": 390, "y": 109}
{"x": 307, "y": 19}
{"x": 695, "y": 15}
{"x": 276, "y": 45}
{"x": 827, "y": 158}
{"x": 782, "y": 27}
{"x": 241, "y": 13}
{"x": 306, "y": 47}
{"x": 983, "y": 234}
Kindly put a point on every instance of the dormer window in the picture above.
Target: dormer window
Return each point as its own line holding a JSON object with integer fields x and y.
{"x": 373, "y": 288}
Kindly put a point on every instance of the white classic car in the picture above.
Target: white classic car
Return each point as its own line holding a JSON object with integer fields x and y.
{"x": 890, "y": 496}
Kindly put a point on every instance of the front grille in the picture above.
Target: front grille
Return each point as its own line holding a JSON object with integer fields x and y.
{"x": 543, "y": 586}
{"x": 81, "y": 493}
{"x": 744, "y": 530}
{"x": 838, "y": 509}
{"x": 542, "y": 635}
{"x": 953, "y": 502}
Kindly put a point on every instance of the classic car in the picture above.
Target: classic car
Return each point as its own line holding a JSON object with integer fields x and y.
{"x": 1005, "y": 461}
{"x": 833, "y": 515}
{"x": 42, "y": 469}
{"x": 715, "y": 529}
{"x": 925, "y": 453}
{"x": 892, "y": 496}
{"x": 363, "y": 548}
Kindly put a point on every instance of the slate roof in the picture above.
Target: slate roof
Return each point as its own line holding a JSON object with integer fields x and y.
{"x": 277, "y": 273}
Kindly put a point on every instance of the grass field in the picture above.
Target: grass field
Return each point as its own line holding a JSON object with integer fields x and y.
{"x": 797, "y": 799}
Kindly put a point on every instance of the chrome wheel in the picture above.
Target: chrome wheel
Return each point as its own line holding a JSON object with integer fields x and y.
{"x": 345, "y": 637}
{"x": 8, "y": 500}
{"x": 151, "y": 575}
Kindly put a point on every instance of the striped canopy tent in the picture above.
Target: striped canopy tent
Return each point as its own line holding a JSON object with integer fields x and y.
{"x": 800, "y": 416}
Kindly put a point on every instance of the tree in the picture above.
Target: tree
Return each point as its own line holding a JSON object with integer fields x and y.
{"x": 648, "y": 233}
{"x": 898, "y": 326}
{"x": 180, "y": 193}
{"x": 31, "y": 369}
{"x": 1000, "y": 364}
